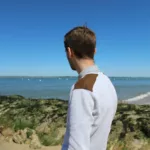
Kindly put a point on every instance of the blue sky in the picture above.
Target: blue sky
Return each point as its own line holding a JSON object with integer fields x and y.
{"x": 31, "y": 35}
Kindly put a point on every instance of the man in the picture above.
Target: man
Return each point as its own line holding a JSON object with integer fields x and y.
{"x": 93, "y": 99}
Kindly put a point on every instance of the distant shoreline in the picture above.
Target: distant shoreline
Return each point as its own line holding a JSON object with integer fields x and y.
{"x": 139, "y": 100}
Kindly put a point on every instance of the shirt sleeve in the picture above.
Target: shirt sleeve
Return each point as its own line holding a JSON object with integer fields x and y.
{"x": 80, "y": 120}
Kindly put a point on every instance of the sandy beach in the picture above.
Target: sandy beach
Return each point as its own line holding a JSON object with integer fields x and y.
{"x": 13, "y": 146}
{"x": 145, "y": 101}
{"x": 142, "y": 101}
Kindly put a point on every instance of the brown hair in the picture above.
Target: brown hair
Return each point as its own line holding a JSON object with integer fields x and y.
{"x": 82, "y": 41}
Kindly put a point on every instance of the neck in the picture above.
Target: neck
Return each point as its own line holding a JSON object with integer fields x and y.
{"x": 83, "y": 64}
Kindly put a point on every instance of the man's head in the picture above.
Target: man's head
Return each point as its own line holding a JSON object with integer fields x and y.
{"x": 80, "y": 45}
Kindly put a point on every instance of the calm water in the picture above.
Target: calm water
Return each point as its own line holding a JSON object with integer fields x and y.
{"x": 59, "y": 87}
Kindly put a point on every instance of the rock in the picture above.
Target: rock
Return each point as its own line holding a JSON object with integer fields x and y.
{"x": 7, "y": 132}
{"x": 8, "y": 139}
{"x": 20, "y": 137}
{"x": 61, "y": 132}
{"x": 35, "y": 143}
{"x": 23, "y": 134}
{"x": 28, "y": 141}
{"x": 43, "y": 128}
{"x": 17, "y": 139}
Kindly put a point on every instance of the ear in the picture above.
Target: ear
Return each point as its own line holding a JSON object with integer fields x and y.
{"x": 70, "y": 52}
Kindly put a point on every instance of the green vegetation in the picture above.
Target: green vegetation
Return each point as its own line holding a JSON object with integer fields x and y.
{"x": 47, "y": 120}
{"x": 130, "y": 128}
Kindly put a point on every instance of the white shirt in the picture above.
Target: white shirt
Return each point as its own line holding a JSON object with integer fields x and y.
{"x": 91, "y": 109}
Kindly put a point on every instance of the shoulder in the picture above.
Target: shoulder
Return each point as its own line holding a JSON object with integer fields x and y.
{"x": 87, "y": 82}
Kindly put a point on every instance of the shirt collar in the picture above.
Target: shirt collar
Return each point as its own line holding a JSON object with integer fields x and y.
{"x": 92, "y": 69}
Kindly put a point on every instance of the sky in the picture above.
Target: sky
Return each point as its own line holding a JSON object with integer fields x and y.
{"x": 32, "y": 34}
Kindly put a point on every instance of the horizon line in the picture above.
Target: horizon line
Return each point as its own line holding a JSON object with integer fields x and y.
{"x": 7, "y": 76}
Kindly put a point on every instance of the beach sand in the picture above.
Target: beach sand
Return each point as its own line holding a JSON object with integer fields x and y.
{"x": 144, "y": 101}
{"x": 13, "y": 146}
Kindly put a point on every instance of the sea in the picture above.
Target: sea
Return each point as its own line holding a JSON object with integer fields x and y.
{"x": 127, "y": 88}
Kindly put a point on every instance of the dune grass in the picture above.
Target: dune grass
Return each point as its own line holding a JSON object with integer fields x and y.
{"x": 130, "y": 128}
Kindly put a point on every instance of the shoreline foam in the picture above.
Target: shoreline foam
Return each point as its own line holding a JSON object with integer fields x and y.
{"x": 141, "y": 99}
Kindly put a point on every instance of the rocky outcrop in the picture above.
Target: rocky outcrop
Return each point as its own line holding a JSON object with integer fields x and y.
{"x": 43, "y": 128}
{"x": 26, "y": 136}
{"x": 35, "y": 143}
{"x": 20, "y": 136}
{"x": 7, "y": 132}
